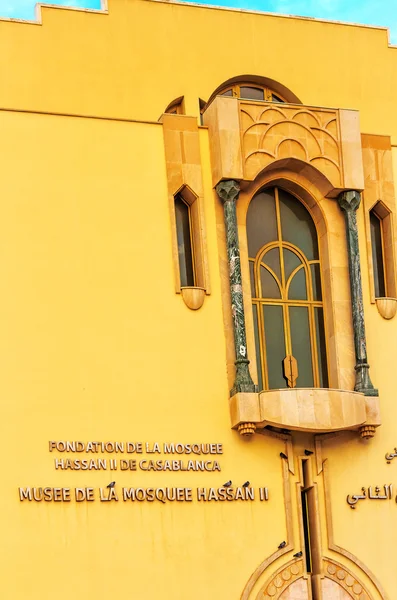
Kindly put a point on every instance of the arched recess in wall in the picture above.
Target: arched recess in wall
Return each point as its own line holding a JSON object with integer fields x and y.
{"x": 310, "y": 187}
{"x": 290, "y": 582}
{"x": 280, "y": 92}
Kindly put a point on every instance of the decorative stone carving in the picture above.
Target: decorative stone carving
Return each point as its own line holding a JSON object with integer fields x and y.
{"x": 273, "y": 132}
{"x": 246, "y": 429}
{"x": 228, "y": 191}
{"x": 281, "y": 580}
{"x": 367, "y": 431}
{"x": 349, "y": 202}
{"x": 247, "y": 137}
{"x": 345, "y": 579}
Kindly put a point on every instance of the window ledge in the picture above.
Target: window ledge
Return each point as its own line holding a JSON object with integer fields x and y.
{"x": 387, "y": 307}
{"x": 193, "y": 297}
{"x": 315, "y": 410}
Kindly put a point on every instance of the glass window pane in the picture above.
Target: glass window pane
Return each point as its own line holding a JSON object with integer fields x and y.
{"x": 269, "y": 285}
{"x": 252, "y": 279}
{"x": 297, "y": 288}
{"x": 275, "y": 345}
{"x": 251, "y": 93}
{"x": 227, "y": 93}
{"x": 297, "y": 225}
{"x": 276, "y": 98}
{"x": 272, "y": 260}
{"x": 261, "y": 222}
{"x": 377, "y": 256}
{"x": 316, "y": 282}
{"x": 291, "y": 261}
{"x": 321, "y": 350}
{"x": 185, "y": 253}
{"x": 301, "y": 347}
{"x": 257, "y": 346}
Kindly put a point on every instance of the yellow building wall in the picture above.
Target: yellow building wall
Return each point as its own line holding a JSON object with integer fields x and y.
{"x": 108, "y": 64}
{"x": 96, "y": 345}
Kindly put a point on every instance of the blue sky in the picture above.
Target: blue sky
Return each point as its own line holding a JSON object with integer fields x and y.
{"x": 356, "y": 11}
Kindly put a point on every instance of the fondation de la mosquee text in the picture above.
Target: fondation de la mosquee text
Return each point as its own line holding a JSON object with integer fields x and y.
{"x": 202, "y": 449}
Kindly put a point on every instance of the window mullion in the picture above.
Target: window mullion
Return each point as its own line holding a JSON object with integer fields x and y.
{"x": 262, "y": 342}
{"x": 313, "y": 343}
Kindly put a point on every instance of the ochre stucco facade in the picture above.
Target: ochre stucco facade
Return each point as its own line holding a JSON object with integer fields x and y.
{"x": 99, "y": 343}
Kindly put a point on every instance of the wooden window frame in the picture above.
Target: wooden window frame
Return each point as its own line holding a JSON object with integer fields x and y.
{"x": 268, "y": 92}
{"x": 176, "y": 107}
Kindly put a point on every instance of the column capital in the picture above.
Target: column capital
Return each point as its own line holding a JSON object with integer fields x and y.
{"x": 228, "y": 189}
{"x": 349, "y": 200}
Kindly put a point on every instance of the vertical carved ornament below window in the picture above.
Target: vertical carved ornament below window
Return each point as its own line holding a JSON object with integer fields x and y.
{"x": 286, "y": 292}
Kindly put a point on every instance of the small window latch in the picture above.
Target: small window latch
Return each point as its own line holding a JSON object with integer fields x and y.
{"x": 291, "y": 373}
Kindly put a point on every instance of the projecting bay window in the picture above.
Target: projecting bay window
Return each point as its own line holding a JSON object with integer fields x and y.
{"x": 286, "y": 291}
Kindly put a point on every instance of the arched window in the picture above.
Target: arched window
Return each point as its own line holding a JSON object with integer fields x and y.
{"x": 249, "y": 91}
{"x": 185, "y": 242}
{"x": 176, "y": 107}
{"x": 382, "y": 274}
{"x": 378, "y": 258}
{"x": 286, "y": 292}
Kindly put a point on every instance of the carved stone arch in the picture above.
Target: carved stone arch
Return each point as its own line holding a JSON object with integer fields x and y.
{"x": 289, "y": 577}
{"x": 290, "y": 582}
{"x": 306, "y": 176}
{"x": 310, "y": 187}
{"x": 337, "y": 577}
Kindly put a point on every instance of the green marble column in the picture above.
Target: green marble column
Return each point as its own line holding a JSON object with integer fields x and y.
{"x": 228, "y": 191}
{"x": 349, "y": 202}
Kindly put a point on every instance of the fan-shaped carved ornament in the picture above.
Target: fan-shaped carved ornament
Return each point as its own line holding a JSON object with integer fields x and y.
{"x": 345, "y": 579}
{"x": 280, "y": 581}
{"x": 274, "y": 133}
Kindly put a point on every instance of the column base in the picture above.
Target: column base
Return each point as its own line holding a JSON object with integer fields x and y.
{"x": 243, "y": 383}
{"x": 363, "y": 381}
